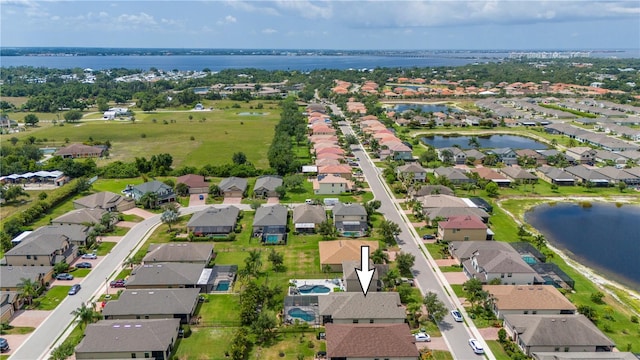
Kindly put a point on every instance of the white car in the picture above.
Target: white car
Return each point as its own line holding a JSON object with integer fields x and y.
{"x": 422, "y": 337}
{"x": 475, "y": 345}
{"x": 90, "y": 256}
{"x": 457, "y": 316}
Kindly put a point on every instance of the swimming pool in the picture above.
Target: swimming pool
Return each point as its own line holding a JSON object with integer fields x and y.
{"x": 272, "y": 239}
{"x": 529, "y": 259}
{"x": 301, "y": 314}
{"x": 223, "y": 285}
{"x": 313, "y": 289}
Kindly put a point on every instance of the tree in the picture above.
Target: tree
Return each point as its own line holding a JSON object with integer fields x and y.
{"x": 414, "y": 309}
{"x": 31, "y": 119}
{"x": 61, "y": 267}
{"x": 294, "y": 182}
{"x": 326, "y": 229}
{"x": 405, "y": 261}
{"x": 169, "y": 217}
{"x": 281, "y": 191}
{"x": 372, "y": 206}
{"x": 239, "y": 158}
{"x": 390, "y": 279}
{"x": 473, "y": 142}
{"x": 149, "y": 200}
{"x": 540, "y": 241}
{"x": 107, "y": 220}
{"x": 492, "y": 189}
{"x": 14, "y": 140}
{"x": 28, "y": 289}
{"x": 182, "y": 189}
{"x": 622, "y": 186}
{"x": 252, "y": 263}
{"x": 277, "y": 260}
{"x": 435, "y": 307}
{"x": 72, "y": 115}
{"x": 12, "y": 193}
{"x": 214, "y": 190}
{"x": 589, "y": 312}
{"x": 264, "y": 326}
{"x": 389, "y": 230}
{"x": 86, "y": 314}
{"x": 379, "y": 257}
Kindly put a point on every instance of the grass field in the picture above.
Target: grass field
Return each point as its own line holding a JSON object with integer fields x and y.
{"x": 214, "y": 140}
{"x": 53, "y": 297}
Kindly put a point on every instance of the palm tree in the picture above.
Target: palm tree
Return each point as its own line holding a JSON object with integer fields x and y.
{"x": 391, "y": 278}
{"x": 108, "y": 219}
{"x": 28, "y": 289}
{"x": 415, "y": 311}
{"x": 169, "y": 217}
{"x": 149, "y": 200}
{"x": 86, "y": 314}
{"x": 253, "y": 263}
{"x": 380, "y": 257}
{"x": 540, "y": 241}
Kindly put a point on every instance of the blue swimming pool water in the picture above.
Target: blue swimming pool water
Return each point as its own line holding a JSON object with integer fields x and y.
{"x": 529, "y": 259}
{"x": 271, "y": 239}
{"x": 313, "y": 289}
{"x": 301, "y": 314}
{"x": 223, "y": 285}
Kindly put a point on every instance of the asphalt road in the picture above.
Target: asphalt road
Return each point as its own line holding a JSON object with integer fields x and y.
{"x": 456, "y": 334}
{"x": 41, "y": 341}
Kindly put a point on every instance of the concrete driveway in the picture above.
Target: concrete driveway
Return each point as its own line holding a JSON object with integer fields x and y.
{"x": 139, "y": 212}
{"x": 273, "y": 200}
{"x": 455, "y": 277}
{"x": 29, "y": 318}
{"x": 436, "y": 343}
{"x": 194, "y": 199}
{"x": 232, "y": 200}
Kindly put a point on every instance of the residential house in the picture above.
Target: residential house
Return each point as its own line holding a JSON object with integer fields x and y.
{"x": 619, "y": 175}
{"x": 12, "y": 276}
{"x": 214, "y": 221}
{"x": 589, "y": 176}
{"x": 233, "y": 187}
{"x": 166, "y": 275}
{"x": 82, "y": 217}
{"x": 492, "y": 175}
{"x": 412, "y": 171}
{"x": 194, "y": 253}
{"x": 506, "y": 156}
{"x": 307, "y": 217}
{"x": 556, "y": 176}
{"x": 105, "y": 200}
{"x": 6, "y": 123}
{"x": 350, "y": 277}
{"x": 196, "y": 183}
{"x": 582, "y": 155}
{"x": 430, "y": 190}
{"x": 583, "y": 355}
{"x": 400, "y": 151}
{"x": 474, "y": 156}
{"x": 164, "y": 192}
{"x": 331, "y": 184}
{"x": 10, "y": 302}
{"x": 266, "y": 186}
{"x": 455, "y": 176}
{"x": 42, "y": 249}
{"x": 126, "y": 339}
{"x": 334, "y": 253}
{"x": 452, "y": 155}
{"x": 528, "y": 155}
{"x": 370, "y": 341}
{"x": 350, "y": 219}
{"x": 270, "y": 224}
{"x": 524, "y": 300}
{"x": 440, "y": 201}
{"x": 153, "y": 304}
{"x": 433, "y": 214}
{"x": 74, "y": 151}
{"x": 605, "y": 156}
{"x": 556, "y": 333}
{"x": 77, "y": 234}
{"x": 463, "y": 228}
{"x": 341, "y": 170}
{"x": 354, "y": 308}
{"x": 519, "y": 175}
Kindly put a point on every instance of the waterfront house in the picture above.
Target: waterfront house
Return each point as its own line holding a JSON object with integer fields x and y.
{"x": 506, "y": 156}
{"x": 556, "y": 333}
{"x": 492, "y": 175}
{"x": 524, "y": 300}
{"x": 270, "y": 224}
{"x": 120, "y": 339}
{"x": 556, "y": 176}
{"x": 153, "y": 304}
{"x": 214, "y": 222}
{"x": 463, "y": 228}
{"x": 519, "y": 175}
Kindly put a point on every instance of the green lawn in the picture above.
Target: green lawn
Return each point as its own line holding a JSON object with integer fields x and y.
{"x": 457, "y": 289}
{"x": 17, "y": 330}
{"x": 450, "y": 268}
{"x": 80, "y": 273}
{"x": 497, "y": 350}
{"x": 205, "y": 343}
{"x": 292, "y": 345}
{"x": 105, "y": 247}
{"x": 220, "y": 310}
{"x": 53, "y": 297}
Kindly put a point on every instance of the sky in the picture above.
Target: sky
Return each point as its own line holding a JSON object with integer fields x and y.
{"x": 340, "y": 25}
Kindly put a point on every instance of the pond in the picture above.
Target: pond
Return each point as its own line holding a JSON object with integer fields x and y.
{"x": 486, "y": 142}
{"x": 426, "y": 108}
{"x": 602, "y": 236}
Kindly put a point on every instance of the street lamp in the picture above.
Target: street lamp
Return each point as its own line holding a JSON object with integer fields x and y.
{"x": 106, "y": 284}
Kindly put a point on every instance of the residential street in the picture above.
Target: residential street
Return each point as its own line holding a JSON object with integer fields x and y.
{"x": 456, "y": 334}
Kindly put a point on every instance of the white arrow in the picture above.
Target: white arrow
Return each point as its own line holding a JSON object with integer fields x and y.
{"x": 364, "y": 273}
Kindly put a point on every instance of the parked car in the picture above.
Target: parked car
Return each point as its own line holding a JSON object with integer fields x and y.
{"x": 90, "y": 256}
{"x": 201, "y": 197}
{"x": 475, "y": 345}
{"x": 457, "y": 316}
{"x": 120, "y": 283}
{"x": 4, "y": 345}
{"x": 84, "y": 265}
{"x": 74, "y": 289}
{"x": 64, "y": 276}
{"x": 428, "y": 237}
{"x": 422, "y": 337}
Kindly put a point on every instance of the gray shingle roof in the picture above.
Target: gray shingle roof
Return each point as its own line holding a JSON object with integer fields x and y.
{"x": 81, "y": 216}
{"x": 166, "y": 274}
{"x": 127, "y": 336}
{"x": 153, "y": 302}
{"x": 215, "y": 217}
{"x": 152, "y": 186}
{"x": 270, "y": 216}
{"x": 268, "y": 182}
{"x": 40, "y": 244}
{"x": 76, "y": 233}
{"x": 233, "y": 183}
{"x": 307, "y": 213}
{"x": 354, "y": 305}
{"x": 11, "y": 276}
{"x": 341, "y": 209}
{"x": 101, "y": 200}
{"x": 557, "y": 330}
{"x": 180, "y": 252}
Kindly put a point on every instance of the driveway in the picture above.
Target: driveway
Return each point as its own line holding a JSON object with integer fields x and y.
{"x": 273, "y": 200}
{"x": 455, "y": 277}
{"x": 114, "y": 239}
{"x": 436, "y": 343}
{"x": 14, "y": 342}
{"x": 30, "y": 318}
{"x": 194, "y": 199}
{"x": 232, "y": 200}
{"x": 139, "y": 212}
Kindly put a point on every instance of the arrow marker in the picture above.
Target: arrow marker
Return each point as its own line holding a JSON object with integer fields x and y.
{"x": 364, "y": 273}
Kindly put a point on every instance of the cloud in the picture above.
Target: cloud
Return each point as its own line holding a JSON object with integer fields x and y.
{"x": 229, "y": 19}
{"x": 269, "y": 31}
{"x": 307, "y": 9}
{"x": 136, "y": 19}
{"x": 247, "y": 6}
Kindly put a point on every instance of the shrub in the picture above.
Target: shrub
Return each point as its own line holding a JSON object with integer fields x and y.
{"x": 634, "y": 319}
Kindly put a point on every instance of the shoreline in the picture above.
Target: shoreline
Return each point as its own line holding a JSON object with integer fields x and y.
{"x": 587, "y": 271}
